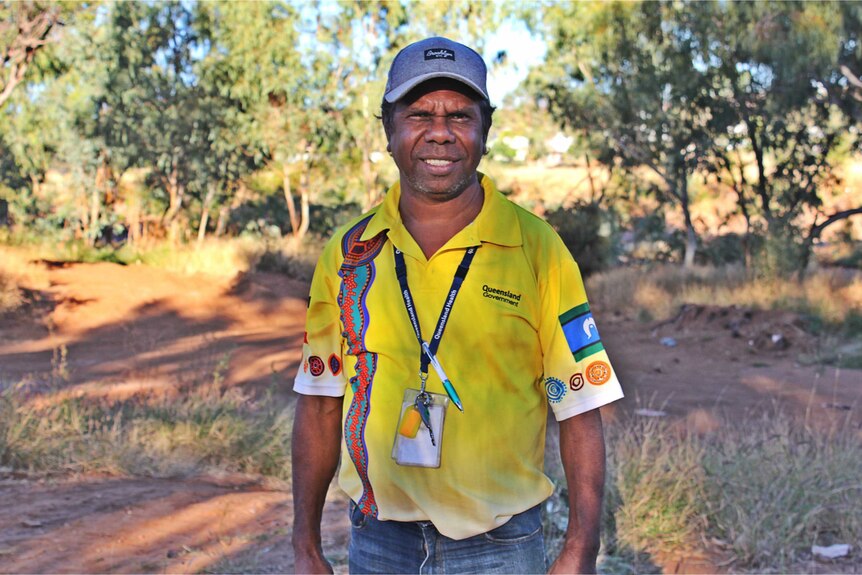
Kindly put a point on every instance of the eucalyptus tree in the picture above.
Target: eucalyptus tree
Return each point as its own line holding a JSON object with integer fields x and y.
{"x": 39, "y": 97}
{"x": 786, "y": 109}
{"x": 727, "y": 87}
{"x": 277, "y": 64}
{"x": 26, "y": 27}
{"x": 151, "y": 111}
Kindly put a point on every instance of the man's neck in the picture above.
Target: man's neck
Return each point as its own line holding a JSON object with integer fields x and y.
{"x": 432, "y": 224}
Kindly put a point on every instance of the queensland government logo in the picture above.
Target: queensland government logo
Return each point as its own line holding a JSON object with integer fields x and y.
{"x": 505, "y": 296}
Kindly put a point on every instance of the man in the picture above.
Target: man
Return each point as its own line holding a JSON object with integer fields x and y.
{"x": 440, "y": 326}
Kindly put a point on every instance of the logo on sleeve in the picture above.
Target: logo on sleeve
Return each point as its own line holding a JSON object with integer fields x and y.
{"x": 315, "y": 365}
{"x": 555, "y": 389}
{"x": 576, "y": 382}
{"x": 334, "y": 364}
{"x": 581, "y": 332}
{"x": 598, "y": 372}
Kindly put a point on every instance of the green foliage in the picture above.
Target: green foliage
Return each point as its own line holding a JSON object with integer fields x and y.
{"x": 586, "y": 229}
{"x": 194, "y": 99}
{"x": 675, "y": 87}
{"x": 723, "y": 250}
{"x": 781, "y": 253}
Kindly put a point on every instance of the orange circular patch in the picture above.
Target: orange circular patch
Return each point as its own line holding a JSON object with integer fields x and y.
{"x": 598, "y": 372}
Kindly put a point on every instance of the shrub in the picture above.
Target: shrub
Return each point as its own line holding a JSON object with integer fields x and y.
{"x": 587, "y": 229}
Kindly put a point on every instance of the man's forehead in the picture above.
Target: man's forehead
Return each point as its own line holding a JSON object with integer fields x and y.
{"x": 439, "y": 85}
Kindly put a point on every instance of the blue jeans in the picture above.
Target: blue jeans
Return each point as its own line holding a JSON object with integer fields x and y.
{"x": 417, "y": 547}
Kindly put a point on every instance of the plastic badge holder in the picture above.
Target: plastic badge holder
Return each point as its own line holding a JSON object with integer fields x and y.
{"x": 419, "y": 451}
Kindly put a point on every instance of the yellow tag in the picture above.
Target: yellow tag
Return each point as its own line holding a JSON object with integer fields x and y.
{"x": 410, "y": 423}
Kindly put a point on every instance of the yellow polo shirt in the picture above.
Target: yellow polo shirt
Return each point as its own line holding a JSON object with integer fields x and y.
{"x": 520, "y": 336}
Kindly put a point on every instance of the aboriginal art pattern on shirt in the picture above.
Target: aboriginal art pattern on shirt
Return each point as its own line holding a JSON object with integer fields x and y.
{"x": 357, "y": 275}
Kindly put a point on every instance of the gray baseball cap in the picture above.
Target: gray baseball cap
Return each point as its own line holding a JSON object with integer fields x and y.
{"x": 435, "y": 57}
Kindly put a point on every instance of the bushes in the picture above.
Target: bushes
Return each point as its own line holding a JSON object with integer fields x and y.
{"x": 587, "y": 229}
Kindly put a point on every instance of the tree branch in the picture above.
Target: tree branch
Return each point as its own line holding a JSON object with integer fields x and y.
{"x": 816, "y": 230}
{"x": 33, "y": 33}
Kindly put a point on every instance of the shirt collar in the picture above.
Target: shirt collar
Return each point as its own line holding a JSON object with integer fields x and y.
{"x": 497, "y": 222}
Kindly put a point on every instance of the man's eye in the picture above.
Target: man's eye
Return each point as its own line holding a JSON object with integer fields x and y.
{"x": 460, "y": 117}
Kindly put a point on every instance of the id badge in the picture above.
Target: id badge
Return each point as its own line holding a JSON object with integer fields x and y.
{"x": 415, "y": 445}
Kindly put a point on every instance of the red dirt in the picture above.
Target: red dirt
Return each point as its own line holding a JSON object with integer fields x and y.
{"x": 127, "y": 330}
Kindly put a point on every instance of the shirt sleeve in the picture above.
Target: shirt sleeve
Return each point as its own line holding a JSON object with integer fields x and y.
{"x": 321, "y": 371}
{"x": 578, "y": 375}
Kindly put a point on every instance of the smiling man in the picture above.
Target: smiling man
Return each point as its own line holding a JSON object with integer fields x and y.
{"x": 441, "y": 325}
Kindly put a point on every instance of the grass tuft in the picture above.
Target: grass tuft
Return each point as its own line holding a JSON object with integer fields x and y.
{"x": 760, "y": 491}
{"x": 206, "y": 427}
{"x": 779, "y": 487}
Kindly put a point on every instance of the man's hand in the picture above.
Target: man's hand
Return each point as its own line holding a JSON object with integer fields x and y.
{"x": 582, "y": 451}
{"x": 315, "y": 448}
{"x": 575, "y": 558}
{"x": 311, "y": 563}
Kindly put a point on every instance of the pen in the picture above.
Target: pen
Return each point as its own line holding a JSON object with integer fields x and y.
{"x": 450, "y": 389}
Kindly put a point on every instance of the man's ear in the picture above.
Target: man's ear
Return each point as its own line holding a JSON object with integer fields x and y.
{"x": 387, "y": 130}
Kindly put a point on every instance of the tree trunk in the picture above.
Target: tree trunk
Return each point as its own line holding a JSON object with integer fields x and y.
{"x": 223, "y": 216}
{"x": 690, "y": 234}
{"x": 304, "y": 202}
{"x": 593, "y": 193}
{"x": 205, "y": 212}
{"x": 288, "y": 197}
{"x": 176, "y": 192}
{"x": 95, "y": 208}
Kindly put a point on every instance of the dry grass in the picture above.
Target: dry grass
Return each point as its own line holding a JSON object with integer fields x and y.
{"x": 208, "y": 427}
{"x": 215, "y": 257}
{"x": 759, "y": 492}
{"x": 656, "y": 292}
{"x": 17, "y": 270}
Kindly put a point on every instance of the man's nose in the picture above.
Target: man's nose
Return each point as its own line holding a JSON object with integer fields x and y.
{"x": 439, "y": 131}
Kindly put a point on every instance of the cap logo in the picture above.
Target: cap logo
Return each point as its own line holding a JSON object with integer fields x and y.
{"x": 440, "y": 54}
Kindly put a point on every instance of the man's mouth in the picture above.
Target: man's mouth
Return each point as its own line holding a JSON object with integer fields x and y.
{"x": 437, "y": 162}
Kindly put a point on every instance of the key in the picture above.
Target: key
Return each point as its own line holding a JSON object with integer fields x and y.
{"x": 423, "y": 400}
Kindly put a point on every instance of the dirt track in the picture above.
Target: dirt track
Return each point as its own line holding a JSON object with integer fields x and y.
{"x": 131, "y": 329}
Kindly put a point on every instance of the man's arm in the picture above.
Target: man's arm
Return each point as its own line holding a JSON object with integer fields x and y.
{"x": 582, "y": 450}
{"x": 315, "y": 447}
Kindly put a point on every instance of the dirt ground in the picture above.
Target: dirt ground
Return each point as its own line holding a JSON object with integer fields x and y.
{"x": 109, "y": 330}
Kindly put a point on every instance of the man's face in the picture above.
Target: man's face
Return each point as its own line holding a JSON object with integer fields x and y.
{"x": 436, "y": 140}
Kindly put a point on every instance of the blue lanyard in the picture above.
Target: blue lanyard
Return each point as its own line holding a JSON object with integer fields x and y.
{"x": 460, "y": 274}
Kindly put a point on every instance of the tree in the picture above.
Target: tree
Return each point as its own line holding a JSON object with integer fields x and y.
{"x": 151, "y": 111}
{"x": 25, "y": 28}
{"x": 715, "y": 86}
{"x": 286, "y": 89}
{"x": 784, "y": 109}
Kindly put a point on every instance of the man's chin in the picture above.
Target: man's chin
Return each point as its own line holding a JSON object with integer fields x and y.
{"x": 443, "y": 191}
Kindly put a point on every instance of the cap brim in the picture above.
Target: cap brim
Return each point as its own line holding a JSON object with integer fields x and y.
{"x": 397, "y": 93}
